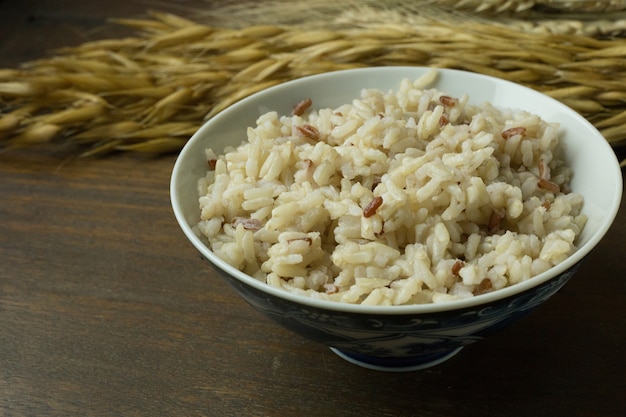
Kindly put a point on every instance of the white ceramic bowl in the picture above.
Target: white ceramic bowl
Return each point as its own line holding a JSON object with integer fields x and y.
{"x": 411, "y": 336}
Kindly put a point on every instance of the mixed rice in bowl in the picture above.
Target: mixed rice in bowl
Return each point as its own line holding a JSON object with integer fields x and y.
{"x": 399, "y": 197}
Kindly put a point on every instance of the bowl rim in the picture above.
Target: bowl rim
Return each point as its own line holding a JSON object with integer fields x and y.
{"x": 411, "y": 309}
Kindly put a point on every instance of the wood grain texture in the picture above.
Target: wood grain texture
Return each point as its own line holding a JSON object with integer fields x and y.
{"x": 106, "y": 310}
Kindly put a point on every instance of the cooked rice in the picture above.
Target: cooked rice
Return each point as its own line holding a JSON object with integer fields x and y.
{"x": 400, "y": 197}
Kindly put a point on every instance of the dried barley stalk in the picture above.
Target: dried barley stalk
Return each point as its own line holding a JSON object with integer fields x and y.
{"x": 500, "y": 6}
{"x": 149, "y": 93}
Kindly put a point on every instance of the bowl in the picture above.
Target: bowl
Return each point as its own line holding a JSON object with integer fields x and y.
{"x": 404, "y": 337}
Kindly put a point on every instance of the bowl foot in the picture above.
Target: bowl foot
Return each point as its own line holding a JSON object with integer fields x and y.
{"x": 412, "y": 363}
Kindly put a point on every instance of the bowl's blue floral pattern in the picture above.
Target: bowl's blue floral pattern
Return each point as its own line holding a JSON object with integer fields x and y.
{"x": 398, "y": 340}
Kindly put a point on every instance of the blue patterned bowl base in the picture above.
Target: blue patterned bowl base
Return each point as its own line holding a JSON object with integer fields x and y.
{"x": 397, "y": 342}
{"x": 407, "y": 364}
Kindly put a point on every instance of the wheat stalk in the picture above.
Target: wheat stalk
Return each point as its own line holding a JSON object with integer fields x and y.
{"x": 150, "y": 92}
{"x": 500, "y": 6}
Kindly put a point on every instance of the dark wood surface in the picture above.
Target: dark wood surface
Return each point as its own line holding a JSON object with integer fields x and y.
{"x": 106, "y": 310}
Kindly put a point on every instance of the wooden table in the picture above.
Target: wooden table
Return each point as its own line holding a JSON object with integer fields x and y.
{"x": 106, "y": 310}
